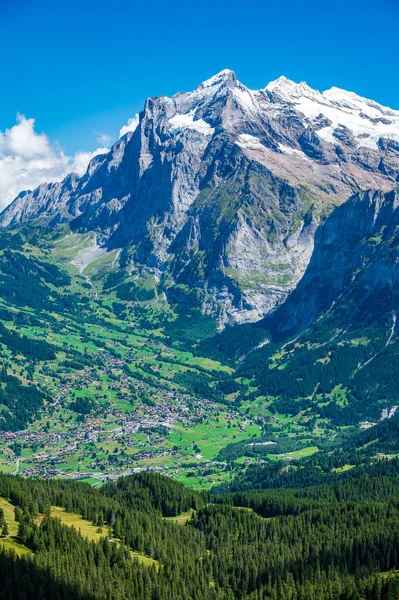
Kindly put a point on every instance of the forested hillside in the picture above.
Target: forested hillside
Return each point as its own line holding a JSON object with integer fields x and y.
{"x": 332, "y": 541}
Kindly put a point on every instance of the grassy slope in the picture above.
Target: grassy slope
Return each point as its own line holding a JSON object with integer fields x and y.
{"x": 10, "y": 542}
{"x": 87, "y": 529}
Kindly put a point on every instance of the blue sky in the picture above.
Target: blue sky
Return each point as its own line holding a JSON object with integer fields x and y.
{"x": 82, "y": 68}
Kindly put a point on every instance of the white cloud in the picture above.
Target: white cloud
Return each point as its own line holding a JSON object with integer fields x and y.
{"x": 130, "y": 125}
{"x": 82, "y": 159}
{"x": 104, "y": 139}
{"x": 21, "y": 140}
{"x": 28, "y": 159}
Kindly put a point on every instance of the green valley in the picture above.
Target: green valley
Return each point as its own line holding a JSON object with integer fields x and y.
{"x": 103, "y": 376}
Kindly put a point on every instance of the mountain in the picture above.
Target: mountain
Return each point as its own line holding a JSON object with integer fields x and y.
{"x": 219, "y": 191}
{"x": 335, "y": 350}
{"x": 353, "y": 270}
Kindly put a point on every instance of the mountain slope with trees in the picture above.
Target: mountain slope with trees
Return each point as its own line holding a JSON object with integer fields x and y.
{"x": 323, "y": 542}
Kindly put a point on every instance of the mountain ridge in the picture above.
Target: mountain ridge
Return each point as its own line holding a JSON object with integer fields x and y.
{"x": 221, "y": 189}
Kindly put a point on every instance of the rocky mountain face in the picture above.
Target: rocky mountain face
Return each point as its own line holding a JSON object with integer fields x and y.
{"x": 220, "y": 190}
{"x": 336, "y": 336}
{"x": 353, "y": 273}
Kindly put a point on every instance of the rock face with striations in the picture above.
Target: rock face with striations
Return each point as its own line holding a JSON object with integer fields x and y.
{"x": 221, "y": 189}
{"x": 353, "y": 270}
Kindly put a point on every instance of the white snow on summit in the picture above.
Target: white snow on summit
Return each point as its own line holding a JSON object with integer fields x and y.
{"x": 217, "y": 79}
{"x": 366, "y": 119}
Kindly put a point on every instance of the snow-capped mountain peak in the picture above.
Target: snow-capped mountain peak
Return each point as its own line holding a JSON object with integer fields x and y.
{"x": 221, "y": 188}
{"x": 223, "y": 77}
{"x": 334, "y": 114}
{"x": 366, "y": 120}
{"x": 289, "y": 90}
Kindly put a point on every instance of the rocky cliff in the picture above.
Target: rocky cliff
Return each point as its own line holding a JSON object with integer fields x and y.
{"x": 353, "y": 273}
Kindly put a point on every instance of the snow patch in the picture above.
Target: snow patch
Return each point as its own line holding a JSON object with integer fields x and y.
{"x": 245, "y": 140}
{"x": 187, "y": 121}
{"x": 367, "y": 120}
{"x": 293, "y": 152}
{"x": 245, "y": 98}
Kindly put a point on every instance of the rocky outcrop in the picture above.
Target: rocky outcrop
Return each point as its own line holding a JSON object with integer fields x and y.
{"x": 353, "y": 270}
{"x": 221, "y": 189}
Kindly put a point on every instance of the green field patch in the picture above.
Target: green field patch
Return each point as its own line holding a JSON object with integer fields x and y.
{"x": 210, "y": 437}
{"x": 91, "y": 481}
{"x": 197, "y": 481}
{"x": 361, "y": 341}
{"x": 343, "y": 468}
{"x": 182, "y": 518}
{"x": 7, "y": 467}
{"x": 85, "y": 528}
{"x": 304, "y": 452}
